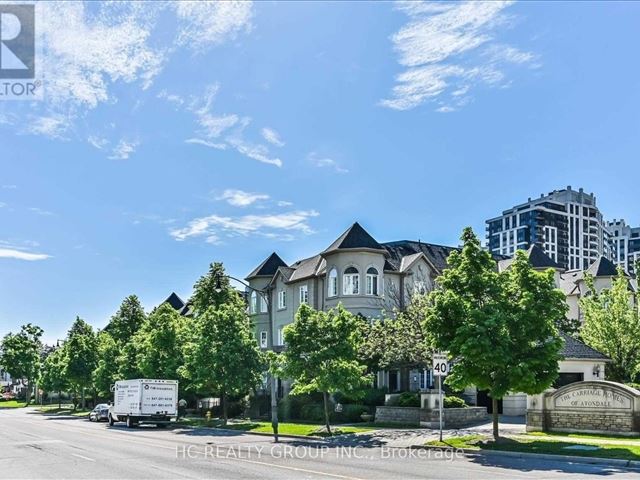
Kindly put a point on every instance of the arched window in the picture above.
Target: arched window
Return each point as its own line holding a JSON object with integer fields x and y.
{"x": 332, "y": 285}
{"x": 351, "y": 281}
{"x": 253, "y": 305}
{"x": 372, "y": 281}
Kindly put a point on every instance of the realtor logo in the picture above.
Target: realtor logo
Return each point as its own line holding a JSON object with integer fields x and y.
{"x": 20, "y": 52}
{"x": 17, "y": 41}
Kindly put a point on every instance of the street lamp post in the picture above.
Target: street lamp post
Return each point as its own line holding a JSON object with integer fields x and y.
{"x": 273, "y": 380}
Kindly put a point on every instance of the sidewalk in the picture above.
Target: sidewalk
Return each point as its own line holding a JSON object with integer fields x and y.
{"x": 406, "y": 438}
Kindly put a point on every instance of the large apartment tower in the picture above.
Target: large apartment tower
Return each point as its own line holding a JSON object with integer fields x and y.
{"x": 625, "y": 244}
{"x": 566, "y": 224}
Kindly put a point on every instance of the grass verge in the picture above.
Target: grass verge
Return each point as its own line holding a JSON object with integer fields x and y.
{"x": 285, "y": 428}
{"x": 547, "y": 444}
{"x": 64, "y": 410}
{"x": 12, "y": 404}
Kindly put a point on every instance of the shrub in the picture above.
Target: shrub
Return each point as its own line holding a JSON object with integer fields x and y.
{"x": 350, "y": 413}
{"x": 290, "y": 407}
{"x": 408, "y": 399}
{"x": 633, "y": 385}
{"x": 370, "y": 396}
{"x": 453, "y": 402}
{"x": 312, "y": 412}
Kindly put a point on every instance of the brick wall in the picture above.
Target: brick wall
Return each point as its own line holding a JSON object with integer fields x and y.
{"x": 453, "y": 417}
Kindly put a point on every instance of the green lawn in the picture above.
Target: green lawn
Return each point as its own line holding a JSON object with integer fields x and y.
{"x": 64, "y": 410}
{"x": 12, "y": 404}
{"x": 306, "y": 429}
{"x": 594, "y": 446}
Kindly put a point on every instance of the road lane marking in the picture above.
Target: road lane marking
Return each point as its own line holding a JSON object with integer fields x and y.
{"x": 83, "y": 457}
{"x": 285, "y": 467}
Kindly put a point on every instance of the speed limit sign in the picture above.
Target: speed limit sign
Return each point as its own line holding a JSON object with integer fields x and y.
{"x": 440, "y": 365}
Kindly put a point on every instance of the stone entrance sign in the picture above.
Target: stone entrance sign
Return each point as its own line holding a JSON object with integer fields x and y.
{"x": 591, "y": 407}
{"x": 589, "y": 397}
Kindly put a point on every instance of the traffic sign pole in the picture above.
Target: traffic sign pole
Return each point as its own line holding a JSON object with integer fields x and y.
{"x": 440, "y": 369}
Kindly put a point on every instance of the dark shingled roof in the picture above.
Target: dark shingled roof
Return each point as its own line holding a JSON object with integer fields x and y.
{"x": 537, "y": 257}
{"x": 175, "y": 301}
{"x": 268, "y": 267}
{"x": 437, "y": 254}
{"x": 354, "y": 237}
{"x": 603, "y": 267}
{"x": 576, "y": 349}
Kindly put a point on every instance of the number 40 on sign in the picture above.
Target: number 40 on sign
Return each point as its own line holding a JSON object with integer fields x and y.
{"x": 440, "y": 365}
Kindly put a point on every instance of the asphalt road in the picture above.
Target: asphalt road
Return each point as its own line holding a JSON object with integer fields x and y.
{"x": 48, "y": 447}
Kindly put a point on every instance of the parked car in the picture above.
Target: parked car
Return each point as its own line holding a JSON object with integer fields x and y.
{"x": 100, "y": 413}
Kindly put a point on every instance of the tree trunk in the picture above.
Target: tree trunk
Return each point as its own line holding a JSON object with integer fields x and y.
{"x": 494, "y": 406}
{"x": 224, "y": 409}
{"x": 59, "y": 400}
{"x": 83, "y": 399}
{"x": 325, "y": 396}
{"x": 27, "y": 396}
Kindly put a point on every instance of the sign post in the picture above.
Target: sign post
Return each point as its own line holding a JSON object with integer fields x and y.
{"x": 440, "y": 369}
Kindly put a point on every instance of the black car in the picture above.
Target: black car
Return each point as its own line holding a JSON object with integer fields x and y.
{"x": 100, "y": 413}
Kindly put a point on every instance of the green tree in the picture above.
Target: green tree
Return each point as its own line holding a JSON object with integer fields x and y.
{"x": 127, "y": 320}
{"x": 106, "y": 371}
{"x": 212, "y": 290}
{"x": 53, "y": 378}
{"x": 81, "y": 356}
{"x": 322, "y": 354}
{"x": 20, "y": 355}
{"x": 223, "y": 357}
{"x": 501, "y": 328}
{"x": 398, "y": 342}
{"x": 612, "y": 326}
{"x": 159, "y": 342}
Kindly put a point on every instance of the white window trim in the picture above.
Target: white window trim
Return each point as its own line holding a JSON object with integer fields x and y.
{"x": 303, "y": 294}
{"x": 348, "y": 283}
{"x": 264, "y": 339}
{"x": 374, "y": 278}
{"x": 281, "y": 336}
{"x": 253, "y": 303}
{"x": 264, "y": 306}
{"x": 282, "y": 299}
{"x": 332, "y": 283}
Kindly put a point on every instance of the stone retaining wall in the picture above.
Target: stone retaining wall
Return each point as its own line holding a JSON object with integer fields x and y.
{"x": 453, "y": 417}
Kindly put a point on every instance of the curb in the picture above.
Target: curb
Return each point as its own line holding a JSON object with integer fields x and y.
{"x": 260, "y": 434}
{"x": 613, "y": 462}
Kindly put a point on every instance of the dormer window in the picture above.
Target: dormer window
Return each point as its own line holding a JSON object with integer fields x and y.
{"x": 372, "y": 281}
{"x": 351, "y": 281}
{"x": 332, "y": 286}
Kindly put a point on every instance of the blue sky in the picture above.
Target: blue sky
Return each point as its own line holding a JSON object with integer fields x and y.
{"x": 171, "y": 136}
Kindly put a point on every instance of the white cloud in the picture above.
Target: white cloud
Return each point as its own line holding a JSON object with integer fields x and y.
{"x": 40, "y": 211}
{"x": 206, "y": 143}
{"x": 52, "y": 126}
{"x": 325, "y": 162}
{"x": 268, "y": 225}
{"x": 240, "y": 198}
{"x": 2, "y": 204}
{"x": 210, "y": 23}
{"x": 283, "y": 203}
{"x": 447, "y": 48}
{"x": 97, "y": 142}
{"x": 222, "y": 131}
{"x": 123, "y": 150}
{"x": 9, "y": 187}
{"x": 22, "y": 255}
{"x": 271, "y": 136}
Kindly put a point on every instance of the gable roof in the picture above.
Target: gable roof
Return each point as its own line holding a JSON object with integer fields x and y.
{"x": 537, "y": 258}
{"x": 355, "y": 237}
{"x": 576, "y": 349}
{"x": 436, "y": 254}
{"x": 268, "y": 267}
{"x": 175, "y": 301}
{"x": 603, "y": 267}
